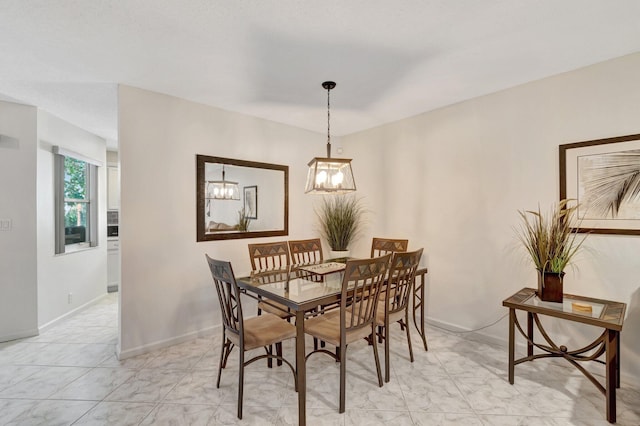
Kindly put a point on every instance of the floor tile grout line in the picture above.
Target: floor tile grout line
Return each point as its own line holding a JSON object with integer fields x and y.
{"x": 464, "y": 396}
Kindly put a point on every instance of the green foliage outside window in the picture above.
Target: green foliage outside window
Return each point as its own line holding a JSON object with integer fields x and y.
{"x": 75, "y": 190}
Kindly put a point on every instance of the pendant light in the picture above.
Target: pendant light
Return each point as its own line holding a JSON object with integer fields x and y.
{"x": 329, "y": 175}
{"x": 223, "y": 189}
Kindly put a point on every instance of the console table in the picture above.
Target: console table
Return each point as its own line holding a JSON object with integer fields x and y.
{"x": 604, "y": 313}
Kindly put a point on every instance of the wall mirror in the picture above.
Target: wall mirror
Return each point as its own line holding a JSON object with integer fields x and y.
{"x": 240, "y": 199}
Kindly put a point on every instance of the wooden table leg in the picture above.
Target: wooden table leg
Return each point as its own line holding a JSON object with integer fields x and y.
{"x": 512, "y": 317}
{"x": 618, "y": 361}
{"x": 611, "y": 346}
{"x": 530, "y": 334}
{"x": 301, "y": 369}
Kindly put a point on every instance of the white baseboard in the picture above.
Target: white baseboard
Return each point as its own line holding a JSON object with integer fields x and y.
{"x": 160, "y": 344}
{"x": 19, "y": 335}
{"x": 71, "y": 312}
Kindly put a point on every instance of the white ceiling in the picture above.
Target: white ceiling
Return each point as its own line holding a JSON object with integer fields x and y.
{"x": 268, "y": 58}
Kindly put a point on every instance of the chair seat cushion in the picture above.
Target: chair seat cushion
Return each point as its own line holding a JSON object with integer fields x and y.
{"x": 327, "y": 327}
{"x": 264, "y": 330}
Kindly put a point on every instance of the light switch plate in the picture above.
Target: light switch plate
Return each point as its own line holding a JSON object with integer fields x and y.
{"x": 5, "y": 224}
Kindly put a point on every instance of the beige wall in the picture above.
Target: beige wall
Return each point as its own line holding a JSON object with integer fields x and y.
{"x": 34, "y": 282}
{"x": 82, "y": 274}
{"x": 454, "y": 179}
{"x": 18, "y": 255}
{"x": 450, "y": 180}
{"x": 166, "y": 290}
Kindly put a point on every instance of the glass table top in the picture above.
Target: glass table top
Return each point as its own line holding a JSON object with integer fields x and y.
{"x": 302, "y": 290}
{"x": 288, "y": 285}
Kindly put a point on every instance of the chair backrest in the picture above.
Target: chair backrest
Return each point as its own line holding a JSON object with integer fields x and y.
{"x": 228, "y": 296}
{"x": 382, "y": 246}
{"x": 305, "y": 252}
{"x": 269, "y": 256}
{"x": 361, "y": 286}
{"x": 401, "y": 276}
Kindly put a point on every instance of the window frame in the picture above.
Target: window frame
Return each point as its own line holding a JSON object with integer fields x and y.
{"x": 61, "y": 247}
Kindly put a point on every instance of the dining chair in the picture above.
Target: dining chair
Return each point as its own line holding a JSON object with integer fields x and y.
{"x": 355, "y": 319}
{"x": 265, "y": 259}
{"x": 394, "y": 302}
{"x": 263, "y": 331}
{"x": 271, "y": 306}
{"x": 305, "y": 252}
{"x": 382, "y": 246}
{"x": 267, "y": 256}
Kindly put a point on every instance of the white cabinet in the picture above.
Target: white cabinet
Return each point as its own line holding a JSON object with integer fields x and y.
{"x": 113, "y": 265}
{"x": 113, "y": 188}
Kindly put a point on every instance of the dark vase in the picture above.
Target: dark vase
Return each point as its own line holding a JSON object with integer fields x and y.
{"x": 550, "y": 286}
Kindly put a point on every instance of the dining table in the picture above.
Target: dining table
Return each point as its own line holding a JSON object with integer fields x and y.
{"x": 302, "y": 289}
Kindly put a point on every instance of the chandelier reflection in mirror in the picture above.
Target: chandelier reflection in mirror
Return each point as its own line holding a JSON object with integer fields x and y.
{"x": 329, "y": 175}
{"x": 222, "y": 189}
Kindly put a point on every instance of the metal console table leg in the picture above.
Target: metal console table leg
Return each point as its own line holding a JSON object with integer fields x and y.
{"x": 606, "y": 344}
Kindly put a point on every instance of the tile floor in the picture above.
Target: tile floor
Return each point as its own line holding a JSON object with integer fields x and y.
{"x": 70, "y": 375}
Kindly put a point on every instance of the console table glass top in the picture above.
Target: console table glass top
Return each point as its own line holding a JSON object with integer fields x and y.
{"x": 605, "y": 313}
{"x": 567, "y": 306}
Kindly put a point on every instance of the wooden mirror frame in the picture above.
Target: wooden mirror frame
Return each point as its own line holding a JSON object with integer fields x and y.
{"x": 202, "y": 235}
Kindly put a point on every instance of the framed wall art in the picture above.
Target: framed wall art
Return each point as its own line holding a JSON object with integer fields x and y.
{"x": 251, "y": 201}
{"x": 603, "y": 176}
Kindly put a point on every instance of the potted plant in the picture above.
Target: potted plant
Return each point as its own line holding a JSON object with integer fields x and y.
{"x": 243, "y": 221}
{"x": 340, "y": 219}
{"x": 552, "y": 242}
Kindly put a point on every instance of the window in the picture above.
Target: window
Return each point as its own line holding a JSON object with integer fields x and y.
{"x": 76, "y": 205}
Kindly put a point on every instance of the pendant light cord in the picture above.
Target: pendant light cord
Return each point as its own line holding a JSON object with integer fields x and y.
{"x": 328, "y": 124}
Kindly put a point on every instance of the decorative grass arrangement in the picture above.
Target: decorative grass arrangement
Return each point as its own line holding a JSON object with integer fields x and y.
{"x": 340, "y": 220}
{"x": 551, "y": 240}
{"x": 243, "y": 221}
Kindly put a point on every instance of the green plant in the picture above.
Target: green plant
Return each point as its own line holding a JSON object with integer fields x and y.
{"x": 243, "y": 220}
{"x": 340, "y": 220}
{"x": 551, "y": 240}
